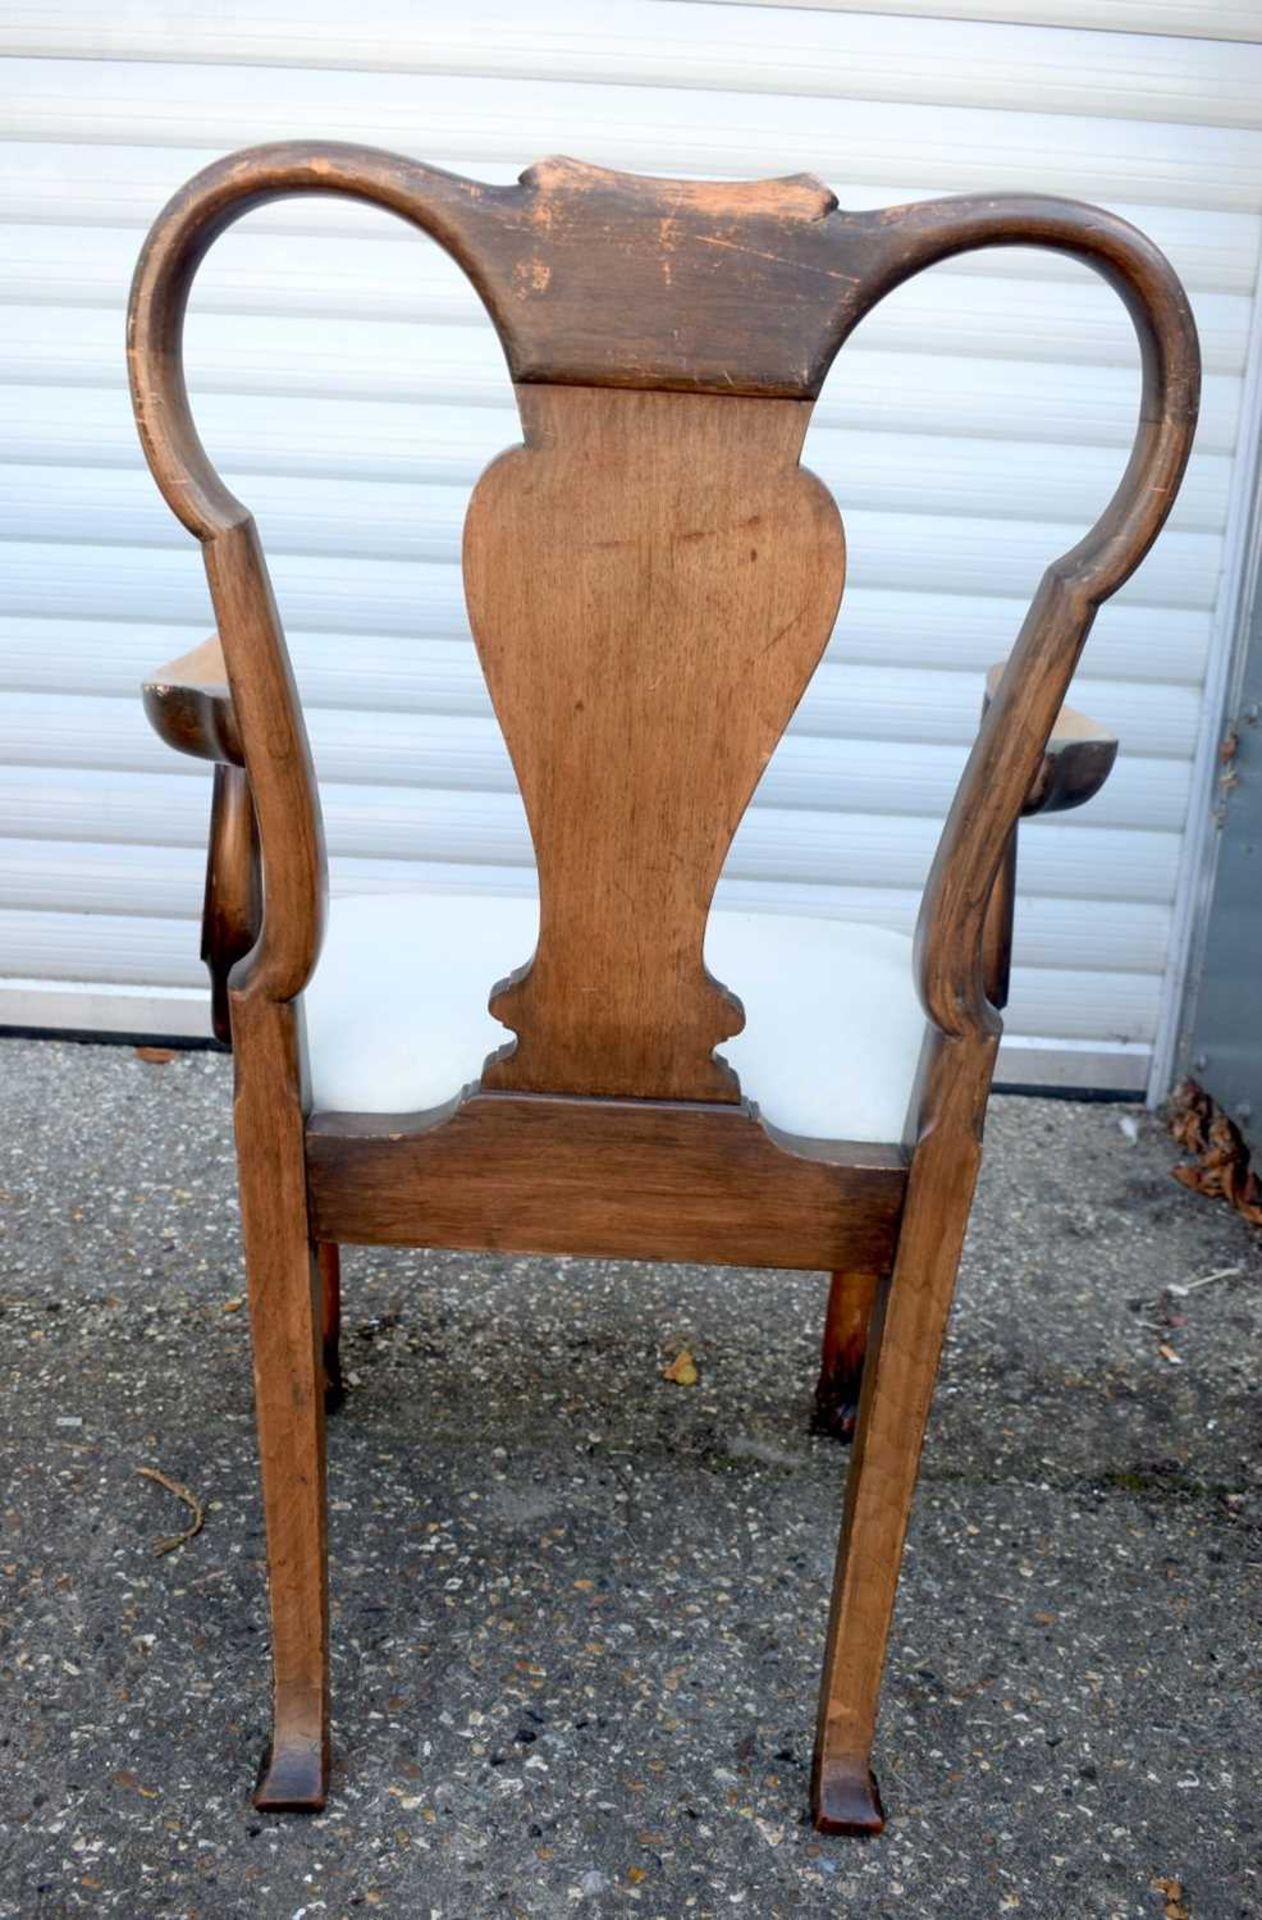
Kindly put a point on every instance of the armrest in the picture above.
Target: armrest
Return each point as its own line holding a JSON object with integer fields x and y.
{"x": 190, "y": 707}
{"x": 1078, "y": 760}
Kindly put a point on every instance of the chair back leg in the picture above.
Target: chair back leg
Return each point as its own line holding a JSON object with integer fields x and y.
{"x": 285, "y": 1290}
{"x": 904, "y": 1344}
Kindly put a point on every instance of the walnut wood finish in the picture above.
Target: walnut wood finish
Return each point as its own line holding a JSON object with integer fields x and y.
{"x": 624, "y": 568}
{"x": 329, "y": 1263}
{"x": 634, "y": 1179}
{"x": 851, "y": 1298}
{"x": 1076, "y": 762}
{"x": 232, "y": 907}
{"x": 641, "y": 704}
{"x": 289, "y": 1389}
{"x": 904, "y": 1343}
{"x": 189, "y": 705}
{"x": 998, "y": 926}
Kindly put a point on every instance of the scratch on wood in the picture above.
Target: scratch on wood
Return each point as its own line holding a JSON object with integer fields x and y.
{"x": 776, "y": 259}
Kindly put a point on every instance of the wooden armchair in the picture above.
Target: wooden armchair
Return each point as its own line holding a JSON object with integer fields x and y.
{"x": 651, "y": 579}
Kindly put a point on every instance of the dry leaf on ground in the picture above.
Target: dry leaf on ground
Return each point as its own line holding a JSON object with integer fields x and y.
{"x": 1220, "y": 1168}
{"x": 190, "y": 1500}
{"x": 1173, "y": 1895}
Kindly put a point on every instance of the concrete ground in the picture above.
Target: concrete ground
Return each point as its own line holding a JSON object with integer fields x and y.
{"x": 578, "y": 1610}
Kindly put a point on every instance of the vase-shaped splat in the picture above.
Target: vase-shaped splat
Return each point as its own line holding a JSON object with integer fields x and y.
{"x": 651, "y": 581}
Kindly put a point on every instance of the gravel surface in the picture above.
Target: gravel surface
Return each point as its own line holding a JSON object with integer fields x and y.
{"x": 579, "y": 1610}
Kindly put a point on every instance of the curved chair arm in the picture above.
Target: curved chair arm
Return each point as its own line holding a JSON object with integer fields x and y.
{"x": 850, "y": 260}
{"x": 271, "y": 734}
{"x": 1012, "y": 741}
{"x": 475, "y": 223}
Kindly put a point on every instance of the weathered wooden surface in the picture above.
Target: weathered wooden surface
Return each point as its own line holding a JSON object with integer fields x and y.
{"x": 188, "y": 704}
{"x": 289, "y": 1388}
{"x": 1077, "y": 760}
{"x": 635, "y": 1179}
{"x": 623, "y": 568}
{"x": 598, "y": 278}
{"x": 851, "y": 1298}
{"x": 904, "y": 1342}
{"x": 651, "y": 581}
{"x": 232, "y": 905}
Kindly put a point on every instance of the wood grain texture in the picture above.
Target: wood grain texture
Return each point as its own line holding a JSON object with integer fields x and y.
{"x": 544, "y": 257}
{"x": 285, "y": 1333}
{"x": 608, "y": 278}
{"x": 997, "y": 928}
{"x": 1013, "y": 738}
{"x": 904, "y": 1342}
{"x": 1077, "y": 760}
{"x": 634, "y": 1179}
{"x": 188, "y": 704}
{"x": 232, "y": 905}
{"x": 591, "y": 276}
{"x": 597, "y": 278}
{"x": 851, "y": 1298}
{"x": 651, "y": 581}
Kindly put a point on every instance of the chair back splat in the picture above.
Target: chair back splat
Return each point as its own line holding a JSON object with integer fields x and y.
{"x": 651, "y": 579}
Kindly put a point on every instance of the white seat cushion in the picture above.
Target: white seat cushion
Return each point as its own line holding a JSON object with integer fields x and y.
{"x": 397, "y": 1021}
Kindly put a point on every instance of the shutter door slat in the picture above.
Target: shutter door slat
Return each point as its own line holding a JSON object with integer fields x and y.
{"x": 348, "y": 385}
{"x": 119, "y": 186}
{"x": 651, "y": 130}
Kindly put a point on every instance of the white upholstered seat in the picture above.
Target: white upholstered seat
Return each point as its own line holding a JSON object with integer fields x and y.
{"x": 397, "y": 1021}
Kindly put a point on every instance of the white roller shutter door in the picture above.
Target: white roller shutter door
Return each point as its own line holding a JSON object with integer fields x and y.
{"x": 351, "y": 390}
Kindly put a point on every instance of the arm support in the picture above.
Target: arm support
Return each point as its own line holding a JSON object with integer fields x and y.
{"x": 1012, "y": 745}
{"x": 1076, "y": 763}
{"x": 488, "y": 230}
{"x": 267, "y": 728}
{"x": 189, "y": 705}
{"x": 232, "y": 906}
